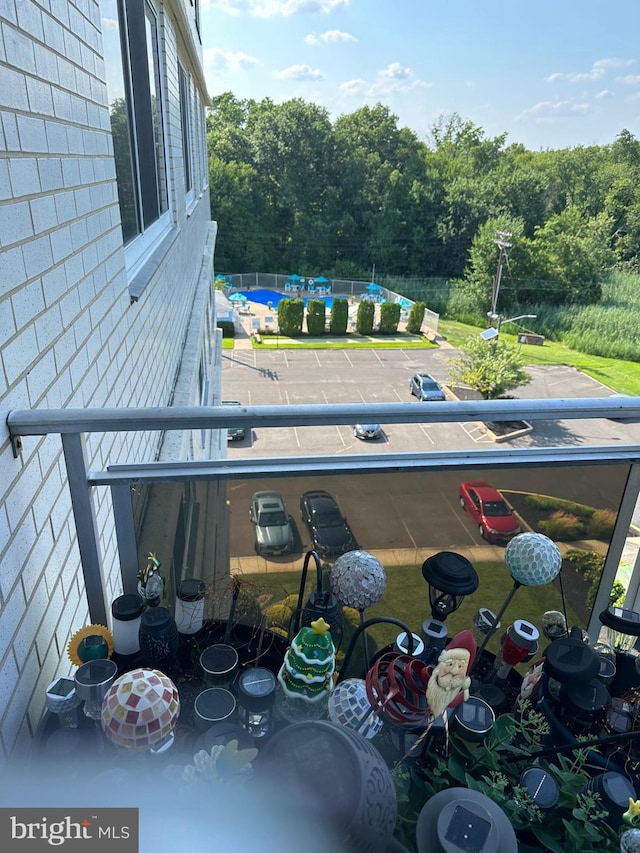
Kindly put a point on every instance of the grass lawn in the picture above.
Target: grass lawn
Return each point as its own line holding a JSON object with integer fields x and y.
{"x": 621, "y": 376}
{"x": 228, "y": 343}
{"x": 407, "y": 598}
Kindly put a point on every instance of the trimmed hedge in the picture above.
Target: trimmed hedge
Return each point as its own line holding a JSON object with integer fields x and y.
{"x": 316, "y": 317}
{"x": 290, "y": 317}
{"x": 339, "y": 316}
{"x": 364, "y": 320}
{"x": 416, "y": 316}
{"x": 228, "y": 328}
{"x": 389, "y": 318}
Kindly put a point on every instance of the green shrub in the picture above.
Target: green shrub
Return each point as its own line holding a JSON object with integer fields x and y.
{"x": 389, "y": 318}
{"x": 543, "y": 502}
{"x": 339, "y": 316}
{"x": 364, "y": 320}
{"x": 290, "y": 317}
{"x": 228, "y": 328}
{"x": 590, "y": 563}
{"x": 416, "y": 316}
{"x": 316, "y": 313}
{"x": 562, "y": 526}
{"x": 584, "y": 561}
{"x": 601, "y": 524}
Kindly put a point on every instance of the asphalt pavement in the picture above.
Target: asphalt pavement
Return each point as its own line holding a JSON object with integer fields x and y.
{"x": 421, "y": 521}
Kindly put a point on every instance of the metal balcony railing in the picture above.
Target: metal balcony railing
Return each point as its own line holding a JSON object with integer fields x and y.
{"x": 72, "y": 425}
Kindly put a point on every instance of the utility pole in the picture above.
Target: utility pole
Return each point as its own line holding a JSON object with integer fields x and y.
{"x": 503, "y": 244}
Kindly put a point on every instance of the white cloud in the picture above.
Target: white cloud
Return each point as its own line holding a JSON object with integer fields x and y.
{"x": 604, "y": 95}
{"x": 330, "y": 36}
{"x": 630, "y": 80}
{"x": 299, "y": 72}
{"x": 392, "y": 80}
{"x": 108, "y": 24}
{"x": 553, "y": 110}
{"x": 353, "y": 87}
{"x": 273, "y": 8}
{"x": 597, "y": 72}
{"x": 217, "y": 59}
{"x": 395, "y": 71}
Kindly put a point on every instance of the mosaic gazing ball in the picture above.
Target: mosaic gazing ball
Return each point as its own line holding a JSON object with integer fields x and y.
{"x": 358, "y": 579}
{"x": 349, "y": 706}
{"x": 140, "y": 709}
{"x": 533, "y": 559}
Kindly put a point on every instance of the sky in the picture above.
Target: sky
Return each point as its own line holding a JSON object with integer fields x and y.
{"x": 548, "y": 73}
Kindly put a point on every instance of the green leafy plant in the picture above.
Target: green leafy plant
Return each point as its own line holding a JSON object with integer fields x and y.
{"x": 576, "y": 824}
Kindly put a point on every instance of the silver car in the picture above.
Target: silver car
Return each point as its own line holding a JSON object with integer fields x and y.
{"x": 424, "y": 387}
{"x": 273, "y": 530}
{"x": 367, "y": 432}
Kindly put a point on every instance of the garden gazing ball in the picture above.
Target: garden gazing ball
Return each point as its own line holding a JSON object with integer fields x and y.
{"x": 533, "y": 559}
{"x": 140, "y": 709}
{"x": 358, "y": 579}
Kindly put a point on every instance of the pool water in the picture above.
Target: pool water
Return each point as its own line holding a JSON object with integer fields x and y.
{"x": 263, "y": 297}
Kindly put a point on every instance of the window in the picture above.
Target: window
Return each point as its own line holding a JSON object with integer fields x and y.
{"x": 133, "y": 66}
{"x": 185, "y": 114}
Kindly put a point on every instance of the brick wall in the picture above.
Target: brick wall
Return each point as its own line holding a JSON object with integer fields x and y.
{"x": 70, "y": 335}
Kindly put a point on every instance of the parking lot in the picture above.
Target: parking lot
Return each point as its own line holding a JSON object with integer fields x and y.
{"x": 281, "y": 376}
{"x": 400, "y": 516}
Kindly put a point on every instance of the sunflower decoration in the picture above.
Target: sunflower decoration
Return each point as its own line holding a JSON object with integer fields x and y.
{"x": 90, "y": 643}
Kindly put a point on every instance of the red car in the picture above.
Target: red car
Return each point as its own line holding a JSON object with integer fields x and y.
{"x": 486, "y": 506}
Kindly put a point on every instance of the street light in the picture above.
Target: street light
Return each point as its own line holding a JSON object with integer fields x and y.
{"x": 501, "y": 320}
{"x": 493, "y": 317}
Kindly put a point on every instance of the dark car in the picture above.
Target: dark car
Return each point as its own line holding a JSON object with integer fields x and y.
{"x": 235, "y": 433}
{"x": 424, "y": 387}
{"x": 367, "y": 432}
{"x": 488, "y": 508}
{"x": 328, "y": 528}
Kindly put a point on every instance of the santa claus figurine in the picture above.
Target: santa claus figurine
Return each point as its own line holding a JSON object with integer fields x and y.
{"x": 449, "y": 680}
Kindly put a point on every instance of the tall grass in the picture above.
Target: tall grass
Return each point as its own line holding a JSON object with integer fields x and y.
{"x": 609, "y": 329}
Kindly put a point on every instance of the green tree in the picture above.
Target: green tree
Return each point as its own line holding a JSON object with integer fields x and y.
{"x": 389, "y": 318}
{"x": 365, "y": 316}
{"x": 290, "y": 317}
{"x": 416, "y": 317}
{"x": 316, "y": 311}
{"x": 339, "y": 316}
{"x": 491, "y": 367}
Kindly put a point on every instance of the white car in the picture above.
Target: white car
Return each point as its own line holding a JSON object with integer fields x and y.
{"x": 273, "y": 530}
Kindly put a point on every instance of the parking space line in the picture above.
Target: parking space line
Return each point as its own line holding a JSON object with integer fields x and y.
{"x": 346, "y": 355}
{"x": 318, "y": 362}
{"x": 426, "y": 433}
{"x": 475, "y": 432}
{"x": 404, "y": 523}
{"x": 381, "y": 362}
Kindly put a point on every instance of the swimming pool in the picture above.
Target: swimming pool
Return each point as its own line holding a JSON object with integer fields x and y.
{"x": 263, "y": 297}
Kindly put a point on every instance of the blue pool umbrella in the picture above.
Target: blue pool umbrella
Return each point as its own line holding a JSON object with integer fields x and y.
{"x": 321, "y": 279}
{"x": 371, "y": 287}
{"x": 404, "y": 302}
{"x": 238, "y": 297}
{"x": 295, "y": 277}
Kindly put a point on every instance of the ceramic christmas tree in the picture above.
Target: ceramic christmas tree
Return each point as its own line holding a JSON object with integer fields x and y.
{"x": 305, "y": 677}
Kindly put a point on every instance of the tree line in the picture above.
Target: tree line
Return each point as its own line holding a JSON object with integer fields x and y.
{"x": 293, "y": 191}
